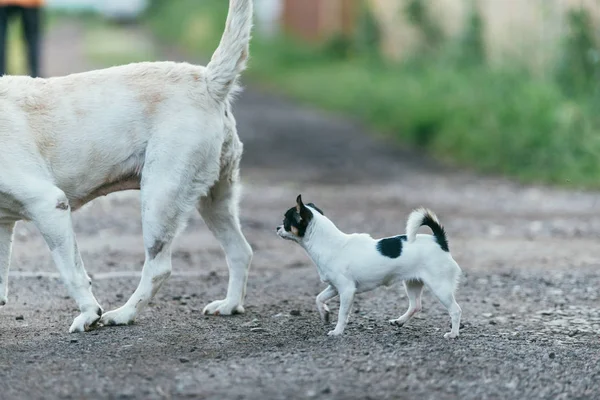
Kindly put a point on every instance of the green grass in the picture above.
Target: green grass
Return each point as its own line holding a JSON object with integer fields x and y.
{"x": 16, "y": 59}
{"x": 115, "y": 45}
{"x": 495, "y": 121}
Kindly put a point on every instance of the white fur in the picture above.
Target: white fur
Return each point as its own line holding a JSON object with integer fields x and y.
{"x": 351, "y": 263}
{"x": 164, "y": 128}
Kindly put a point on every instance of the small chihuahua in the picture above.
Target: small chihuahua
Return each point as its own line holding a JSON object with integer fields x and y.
{"x": 358, "y": 263}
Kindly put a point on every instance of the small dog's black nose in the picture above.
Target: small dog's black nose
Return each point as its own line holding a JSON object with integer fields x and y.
{"x": 277, "y": 229}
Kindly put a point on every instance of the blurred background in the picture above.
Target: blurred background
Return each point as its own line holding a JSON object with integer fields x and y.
{"x": 502, "y": 86}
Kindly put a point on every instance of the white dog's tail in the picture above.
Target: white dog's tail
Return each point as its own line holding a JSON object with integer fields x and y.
{"x": 230, "y": 58}
{"x": 424, "y": 217}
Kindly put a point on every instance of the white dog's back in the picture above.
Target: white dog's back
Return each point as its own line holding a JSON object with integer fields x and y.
{"x": 120, "y": 108}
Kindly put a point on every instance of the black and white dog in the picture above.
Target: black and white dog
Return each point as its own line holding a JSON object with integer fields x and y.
{"x": 358, "y": 263}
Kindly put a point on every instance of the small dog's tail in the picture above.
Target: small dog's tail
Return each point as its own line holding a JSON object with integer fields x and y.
{"x": 424, "y": 217}
{"x": 230, "y": 58}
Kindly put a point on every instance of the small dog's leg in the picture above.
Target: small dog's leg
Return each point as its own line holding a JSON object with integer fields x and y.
{"x": 413, "y": 290}
{"x": 346, "y": 300}
{"x": 219, "y": 210}
{"x": 322, "y": 298}
{"x": 50, "y": 212}
{"x": 444, "y": 291}
{"x": 6, "y": 237}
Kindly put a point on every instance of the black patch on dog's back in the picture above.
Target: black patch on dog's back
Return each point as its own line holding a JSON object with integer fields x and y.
{"x": 391, "y": 247}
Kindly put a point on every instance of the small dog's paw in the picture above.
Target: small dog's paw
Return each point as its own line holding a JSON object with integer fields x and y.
{"x": 121, "y": 316}
{"x": 324, "y": 312}
{"x": 450, "y": 335}
{"x": 3, "y": 301}
{"x": 86, "y": 321}
{"x": 335, "y": 332}
{"x": 396, "y": 322}
{"x": 223, "y": 307}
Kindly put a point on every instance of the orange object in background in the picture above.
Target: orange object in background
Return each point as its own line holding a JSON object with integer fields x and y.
{"x": 318, "y": 19}
{"x": 22, "y": 3}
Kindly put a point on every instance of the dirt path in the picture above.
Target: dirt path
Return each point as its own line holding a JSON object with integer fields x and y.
{"x": 530, "y": 294}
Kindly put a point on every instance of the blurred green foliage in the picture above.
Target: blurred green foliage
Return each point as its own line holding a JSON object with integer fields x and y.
{"x": 471, "y": 44}
{"x": 367, "y": 37}
{"x": 579, "y": 70}
{"x": 15, "y": 53}
{"x": 446, "y": 99}
{"x": 419, "y": 14}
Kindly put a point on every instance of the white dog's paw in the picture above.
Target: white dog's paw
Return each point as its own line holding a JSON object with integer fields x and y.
{"x": 121, "y": 316}
{"x": 223, "y": 307}
{"x": 335, "y": 332}
{"x": 85, "y": 321}
{"x": 450, "y": 335}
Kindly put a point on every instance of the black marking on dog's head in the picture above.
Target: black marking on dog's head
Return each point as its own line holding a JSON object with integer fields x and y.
{"x": 297, "y": 218}
{"x": 391, "y": 247}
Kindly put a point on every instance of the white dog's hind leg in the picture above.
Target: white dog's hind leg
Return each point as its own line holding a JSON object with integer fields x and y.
{"x": 49, "y": 210}
{"x": 346, "y": 299}
{"x": 414, "y": 289}
{"x": 444, "y": 291}
{"x": 164, "y": 210}
{"x": 219, "y": 210}
{"x": 6, "y": 237}
{"x": 322, "y": 298}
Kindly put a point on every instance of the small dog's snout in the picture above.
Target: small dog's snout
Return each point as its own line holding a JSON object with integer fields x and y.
{"x": 277, "y": 228}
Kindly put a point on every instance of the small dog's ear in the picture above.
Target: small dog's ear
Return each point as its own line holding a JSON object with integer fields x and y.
{"x": 299, "y": 204}
{"x": 304, "y": 212}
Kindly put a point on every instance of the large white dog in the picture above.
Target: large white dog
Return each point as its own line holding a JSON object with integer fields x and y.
{"x": 164, "y": 128}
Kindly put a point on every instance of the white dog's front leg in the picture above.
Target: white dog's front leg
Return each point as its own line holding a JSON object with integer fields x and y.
{"x": 6, "y": 236}
{"x": 346, "y": 300}
{"x": 52, "y": 216}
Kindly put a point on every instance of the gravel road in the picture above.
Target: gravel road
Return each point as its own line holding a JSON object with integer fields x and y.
{"x": 530, "y": 293}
